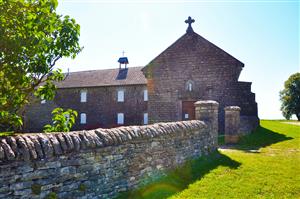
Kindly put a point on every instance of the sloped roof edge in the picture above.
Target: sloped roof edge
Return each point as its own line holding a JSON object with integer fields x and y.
{"x": 180, "y": 38}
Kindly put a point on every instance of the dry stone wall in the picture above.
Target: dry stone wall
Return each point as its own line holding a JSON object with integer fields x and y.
{"x": 97, "y": 163}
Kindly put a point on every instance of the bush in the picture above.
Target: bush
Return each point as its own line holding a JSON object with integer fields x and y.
{"x": 62, "y": 121}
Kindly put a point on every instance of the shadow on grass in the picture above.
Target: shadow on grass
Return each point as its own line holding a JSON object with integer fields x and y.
{"x": 179, "y": 178}
{"x": 261, "y": 137}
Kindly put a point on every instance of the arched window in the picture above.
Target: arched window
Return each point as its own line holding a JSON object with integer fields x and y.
{"x": 189, "y": 86}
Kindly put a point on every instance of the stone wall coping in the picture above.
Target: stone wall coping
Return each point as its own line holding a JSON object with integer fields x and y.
{"x": 232, "y": 108}
{"x": 29, "y": 147}
{"x": 206, "y": 102}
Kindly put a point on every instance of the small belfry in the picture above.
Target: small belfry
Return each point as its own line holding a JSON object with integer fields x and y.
{"x": 189, "y": 21}
{"x": 123, "y": 61}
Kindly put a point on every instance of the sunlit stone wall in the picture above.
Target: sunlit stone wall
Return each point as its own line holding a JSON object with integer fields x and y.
{"x": 97, "y": 163}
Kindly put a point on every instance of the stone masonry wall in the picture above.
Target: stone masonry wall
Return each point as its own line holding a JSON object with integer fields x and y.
{"x": 213, "y": 74}
{"x": 97, "y": 163}
{"x": 101, "y": 107}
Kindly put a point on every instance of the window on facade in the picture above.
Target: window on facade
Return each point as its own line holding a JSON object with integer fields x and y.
{"x": 120, "y": 96}
{"x": 83, "y": 96}
{"x": 186, "y": 116}
{"x": 120, "y": 118}
{"x": 145, "y": 95}
{"x": 82, "y": 118}
{"x": 190, "y": 86}
{"x": 209, "y": 92}
{"x": 145, "y": 118}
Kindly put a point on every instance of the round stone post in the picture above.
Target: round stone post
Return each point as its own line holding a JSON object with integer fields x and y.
{"x": 207, "y": 111}
{"x": 232, "y": 124}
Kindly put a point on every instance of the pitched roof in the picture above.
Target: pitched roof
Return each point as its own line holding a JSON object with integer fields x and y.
{"x": 107, "y": 77}
{"x": 197, "y": 49}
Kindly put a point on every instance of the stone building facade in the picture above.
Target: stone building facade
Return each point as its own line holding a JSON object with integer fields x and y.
{"x": 191, "y": 69}
{"x": 102, "y": 99}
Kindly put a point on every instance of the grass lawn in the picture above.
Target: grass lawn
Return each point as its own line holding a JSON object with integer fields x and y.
{"x": 265, "y": 164}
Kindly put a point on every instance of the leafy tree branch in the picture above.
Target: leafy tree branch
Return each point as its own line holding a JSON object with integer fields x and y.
{"x": 33, "y": 37}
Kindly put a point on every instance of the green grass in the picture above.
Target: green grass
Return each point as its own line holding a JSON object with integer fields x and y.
{"x": 265, "y": 164}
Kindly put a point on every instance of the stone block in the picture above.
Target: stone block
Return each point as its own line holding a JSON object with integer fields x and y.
{"x": 46, "y": 146}
{"x": 69, "y": 141}
{"x": 31, "y": 148}
{"x": 37, "y": 146}
{"x": 76, "y": 140}
{"x": 9, "y": 153}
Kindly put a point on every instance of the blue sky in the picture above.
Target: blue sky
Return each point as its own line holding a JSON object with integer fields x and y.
{"x": 264, "y": 35}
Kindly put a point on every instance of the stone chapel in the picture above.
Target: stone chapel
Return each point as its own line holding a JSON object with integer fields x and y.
{"x": 191, "y": 69}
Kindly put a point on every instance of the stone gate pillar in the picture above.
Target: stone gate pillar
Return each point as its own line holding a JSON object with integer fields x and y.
{"x": 232, "y": 124}
{"x": 207, "y": 111}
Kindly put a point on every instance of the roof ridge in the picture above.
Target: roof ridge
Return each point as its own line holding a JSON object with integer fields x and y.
{"x": 103, "y": 69}
{"x": 104, "y": 77}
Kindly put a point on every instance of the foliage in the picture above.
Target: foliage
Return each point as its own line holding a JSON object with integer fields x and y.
{"x": 2, "y": 134}
{"x": 36, "y": 189}
{"x": 62, "y": 121}
{"x": 33, "y": 37}
{"x": 82, "y": 187}
{"x": 264, "y": 164}
{"x": 290, "y": 97}
{"x": 51, "y": 195}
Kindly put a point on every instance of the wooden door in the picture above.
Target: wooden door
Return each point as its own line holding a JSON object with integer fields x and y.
{"x": 188, "y": 110}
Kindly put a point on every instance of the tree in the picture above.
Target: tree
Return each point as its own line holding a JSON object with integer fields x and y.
{"x": 290, "y": 97}
{"x": 62, "y": 121}
{"x": 33, "y": 37}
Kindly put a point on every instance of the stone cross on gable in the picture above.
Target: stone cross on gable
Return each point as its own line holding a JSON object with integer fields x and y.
{"x": 189, "y": 21}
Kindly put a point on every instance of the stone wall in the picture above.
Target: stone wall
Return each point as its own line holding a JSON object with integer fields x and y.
{"x": 97, "y": 163}
{"x": 248, "y": 124}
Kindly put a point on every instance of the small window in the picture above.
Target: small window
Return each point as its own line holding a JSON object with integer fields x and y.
{"x": 189, "y": 85}
{"x": 120, "y": 96}
{"x": 209, "y": 91}
{"x": 120, "y": 119}
{"x": 145, "y": 118}
{"x": 82, "y": 118}
{"x": 83, "y": 95}
{"x": 145, "y": 95}
{"x": 186, "y": 116}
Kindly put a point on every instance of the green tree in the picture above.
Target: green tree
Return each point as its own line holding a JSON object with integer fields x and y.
{"x": 33, "y": 37}
{"x": 290, "y": 97}
{"x": 62, "y": 121}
